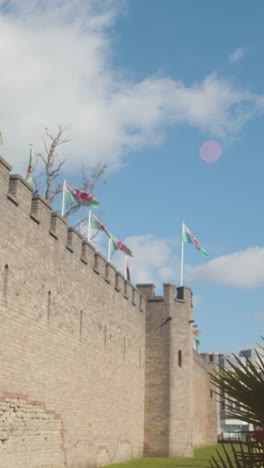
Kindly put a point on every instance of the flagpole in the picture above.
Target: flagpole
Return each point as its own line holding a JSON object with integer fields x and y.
{"x": 109, "y": 249}
{"x": 182, "y": 255}
{"x": 125, "y": 267}
{"x": 29, "y": 176}
{"x": 89, "y": 225}
{"x": 63, "y": 198}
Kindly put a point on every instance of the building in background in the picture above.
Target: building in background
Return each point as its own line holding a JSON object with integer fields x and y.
{"x": 231, "y": 427}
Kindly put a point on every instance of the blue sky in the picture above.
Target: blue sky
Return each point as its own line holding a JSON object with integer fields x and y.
{"x": 143, "y": 84}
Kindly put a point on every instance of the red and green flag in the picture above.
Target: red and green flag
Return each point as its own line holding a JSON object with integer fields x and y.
{"x": 80, "y": 197}
{"x": 188, "y": 237}
{"x": 97, "y": 224}
{"x": 118, "y": 245}
{"x": 29, "y": 176}
{"x": 197, "y": 332}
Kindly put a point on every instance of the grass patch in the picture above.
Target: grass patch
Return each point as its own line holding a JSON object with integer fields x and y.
{"x": 200, "y": 460}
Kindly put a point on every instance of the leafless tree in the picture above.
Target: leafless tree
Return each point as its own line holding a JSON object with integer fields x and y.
{"x": 49, "y": 181}
{"x": 51, "y": 160}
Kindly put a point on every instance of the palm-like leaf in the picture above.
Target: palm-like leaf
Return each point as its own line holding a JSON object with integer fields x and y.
{"x": 245, "y": 384}
{"x": 244, "y": 455}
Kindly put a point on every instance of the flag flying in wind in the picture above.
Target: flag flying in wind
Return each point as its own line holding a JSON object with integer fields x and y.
{"x": 97, "y": 224}
{"x": 80, "y": 197}
{"x": 197, "y": 332}
{"x": 29, "y": 176}
{"x": 191, "y": 239}
{"x": 118, "y": 245}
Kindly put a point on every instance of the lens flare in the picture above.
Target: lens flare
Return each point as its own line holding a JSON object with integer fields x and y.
{"x": 210, "y": 151}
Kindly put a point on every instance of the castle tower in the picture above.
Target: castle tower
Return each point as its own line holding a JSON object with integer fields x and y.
{"x": 168, "y": 378}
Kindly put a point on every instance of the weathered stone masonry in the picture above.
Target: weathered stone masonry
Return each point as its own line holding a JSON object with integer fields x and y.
{"x": 93, "y": 370}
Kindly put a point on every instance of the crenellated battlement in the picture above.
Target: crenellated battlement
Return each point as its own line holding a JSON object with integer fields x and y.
{"x": 200, "y": 359}
{"x": 18, "y": 192}
{"x": 170, "y": 293}
{"x": 98, "y": 371}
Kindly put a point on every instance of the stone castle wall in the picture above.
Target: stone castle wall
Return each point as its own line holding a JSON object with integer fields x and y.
{"x": 72, "y": 345}
{"x": 93, "y": 371}
{"x": 204, "y": 402}
{"x": 180, "y": 406}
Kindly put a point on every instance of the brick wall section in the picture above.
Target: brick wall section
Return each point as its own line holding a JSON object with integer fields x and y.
{"x": 200, "y": 401}
{"x": 29, "y": 433}
{"x": 212, "y": 399}
{"x": 70, "y": 340}
{"x": 204, "y": 402}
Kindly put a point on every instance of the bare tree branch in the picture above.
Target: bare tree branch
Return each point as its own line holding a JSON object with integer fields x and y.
{"x": 91, "y": 177}
{"x": 51, "y": 176}
{"x": 52, "y": 166}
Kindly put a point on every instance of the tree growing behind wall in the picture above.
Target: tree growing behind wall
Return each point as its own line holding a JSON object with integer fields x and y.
{"x": 49, "y": 174}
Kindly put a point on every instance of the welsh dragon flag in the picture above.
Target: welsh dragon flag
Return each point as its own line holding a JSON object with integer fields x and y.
{"x": 29, "y": 176}
{"x": 97, "y": 224}
{"x": 118, "y": 245}
{"x": 80, "y": 197}
{"x": 191, "y": 239}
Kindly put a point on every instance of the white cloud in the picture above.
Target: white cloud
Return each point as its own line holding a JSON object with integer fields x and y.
{"x": 156, "y": 260}
{"x": 244, "y": 269}
{"x": 237, "y": 55}
{"x": 56, "y": 57}
{"x": 152, "y": 262}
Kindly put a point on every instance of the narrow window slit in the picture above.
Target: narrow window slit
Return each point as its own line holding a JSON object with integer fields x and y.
{"x": 48, "y": 308}
{"x": 179, "y": 358}
{"x": 81, "y": 323}
{"x": 5, "y": 282}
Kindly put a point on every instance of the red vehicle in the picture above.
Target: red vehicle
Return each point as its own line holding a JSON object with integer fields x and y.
{"x": 258, "y": 434}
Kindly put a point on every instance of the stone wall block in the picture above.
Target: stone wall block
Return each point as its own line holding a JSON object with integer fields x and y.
{"x": 100, "y": 264}
{"x": 148, "y": 290}
{"x": 169, "y": 291}
{"x": 120, "y": 283}
{"x": 136, "y": 297}
{"x": 142, "y": 303}
{"x": 59, "y": 227}
{"x": 20, "y": 192}
{"x": 128, "y": 290}
{"x": 88, "y": 252}
{"x": 110, "y": 274}
{"x": 74, "y": 241}
{"x": 40, "y": 211}
{"x": 5, "y": 169}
